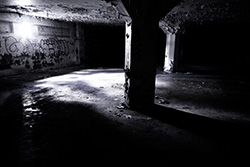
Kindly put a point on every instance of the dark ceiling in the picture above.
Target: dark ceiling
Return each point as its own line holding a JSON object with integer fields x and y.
{"x": 185, "y": 12}
{"x": 199, "y": 12}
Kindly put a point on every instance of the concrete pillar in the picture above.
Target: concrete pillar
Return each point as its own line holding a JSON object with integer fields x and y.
{"x": 80, "y": 36}
{"x": 128, "y": 37}
{"x": 140, "y": 69}
{"x": 140, "y": 63}
{"x": 169, "y": 52}
{"x": 173, "y": 52}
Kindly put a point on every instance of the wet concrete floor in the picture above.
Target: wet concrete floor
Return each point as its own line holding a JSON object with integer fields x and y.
{"x": 75, "y": 117}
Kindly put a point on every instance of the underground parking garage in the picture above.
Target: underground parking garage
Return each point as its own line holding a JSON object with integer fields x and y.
{"x": 93, "y": 82}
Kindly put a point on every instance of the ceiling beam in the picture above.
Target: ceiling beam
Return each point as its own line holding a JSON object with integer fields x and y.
{"x": 149, "y": 10}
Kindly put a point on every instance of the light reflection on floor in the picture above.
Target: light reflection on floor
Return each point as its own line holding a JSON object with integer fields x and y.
{"x": 57, "y": 113}
{"x": 83, "y": 86}
{"x": 102, "y": 89}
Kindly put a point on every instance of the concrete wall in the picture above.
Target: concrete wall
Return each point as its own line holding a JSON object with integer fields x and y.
{"x": 35, "y": 44}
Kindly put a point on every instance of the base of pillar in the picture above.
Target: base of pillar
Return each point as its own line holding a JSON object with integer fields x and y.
{"x": 144, "y": 108}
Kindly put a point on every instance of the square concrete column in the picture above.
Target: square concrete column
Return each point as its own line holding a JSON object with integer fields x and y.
{"x": 173, "y": 52}
{"x": 140, "y": 64}
{"x": 169, "y": 52}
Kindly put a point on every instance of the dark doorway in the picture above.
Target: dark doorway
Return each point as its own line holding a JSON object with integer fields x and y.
{"x": 215, "y": 48}
{"x": 104, "y": 45}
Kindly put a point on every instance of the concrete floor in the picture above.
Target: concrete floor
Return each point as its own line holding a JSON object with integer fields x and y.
{"x": 74, "y": 117}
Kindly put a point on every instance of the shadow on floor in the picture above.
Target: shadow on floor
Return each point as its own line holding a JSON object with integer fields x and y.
{"x": 67, "y": 134}
{"x": 232, "y": 138}
{"x": 72, "y": 134}
{"x": 58, "y": 133}
{"x": 205, "y": 126}
{"x": 10, "y": 130}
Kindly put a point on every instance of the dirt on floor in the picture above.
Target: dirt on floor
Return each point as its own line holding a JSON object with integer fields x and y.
{"x": 75, "y": 117}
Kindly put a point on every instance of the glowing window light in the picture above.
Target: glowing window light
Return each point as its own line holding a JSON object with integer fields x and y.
{"x": 24, "y": 30}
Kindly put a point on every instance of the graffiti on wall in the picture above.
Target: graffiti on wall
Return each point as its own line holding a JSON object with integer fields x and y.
{"x": 48, "y": 46}
{"x": 40, "y": 53}
{"x": 16, "y": 47}
{"x": 54, "y": 46}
